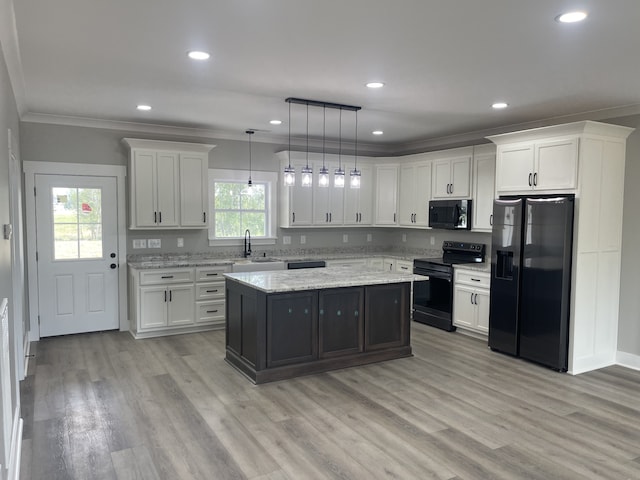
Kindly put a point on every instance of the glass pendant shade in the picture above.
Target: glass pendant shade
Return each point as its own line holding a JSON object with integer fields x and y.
{"x": 307, "y": 176}
{"x": 289, "y": 176}
{"x": 323, "y": 177}
{"x": 355, "y": 176}
{"x": 338, "y": 178}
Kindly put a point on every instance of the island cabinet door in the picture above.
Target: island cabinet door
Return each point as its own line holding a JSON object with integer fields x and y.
{"x": 387, "y": 315}
{"x": 340, "y": 321}
{"x": 292, "y": 328}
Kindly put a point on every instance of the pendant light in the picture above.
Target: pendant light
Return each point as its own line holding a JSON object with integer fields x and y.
{"x": 338, "y": 174}
{"x": 307, "y": 171}
{"x": 249, "y": 132}
{"x": 323, "y": 176}
{"x": 355, "y": 174}
{"x": 289, "y": 172}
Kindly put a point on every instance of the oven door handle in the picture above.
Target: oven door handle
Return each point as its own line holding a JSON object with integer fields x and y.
{"x": 438, "y": 275}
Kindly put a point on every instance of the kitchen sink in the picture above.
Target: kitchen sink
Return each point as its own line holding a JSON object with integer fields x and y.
{"x": 258, "y": 264}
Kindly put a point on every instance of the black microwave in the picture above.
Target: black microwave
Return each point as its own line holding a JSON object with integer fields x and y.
{"x": 450, "y": 214}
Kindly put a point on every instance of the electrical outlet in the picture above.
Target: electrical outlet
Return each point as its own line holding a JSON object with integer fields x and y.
{"x": 140, "y": 243}
{"x": 404, "y": 237}
{"x": 369, "y": 237}
{"x": 286, "y": 240}
{"x": 345, "y": 238}
{"x": 433, "y": 240}
{"x": 303, "y": 239}
{"x": 180, "y": 242}
{"x": 154, "y": 243}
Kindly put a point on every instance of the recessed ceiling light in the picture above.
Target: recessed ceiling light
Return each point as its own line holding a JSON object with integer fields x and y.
{"x": 571, "y": 17}
{"x": 198, "y": 55}
{"x": 499, "y": 105}
{"x": 275, "y": 122}
{"x": 144, "y": 108}
{"x": 377, "y": 132}
{"x": 375, "y": 85}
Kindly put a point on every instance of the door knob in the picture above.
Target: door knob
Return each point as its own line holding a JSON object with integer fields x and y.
{"x": 113, "y": 255}
{"x": 112, "y": 266}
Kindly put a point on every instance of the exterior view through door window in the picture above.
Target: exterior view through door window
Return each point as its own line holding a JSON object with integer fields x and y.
{"x": 77, "y": 223}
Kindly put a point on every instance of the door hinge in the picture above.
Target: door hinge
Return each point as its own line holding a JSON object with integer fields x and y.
{"x": 36, "y": 256}
{"x": 38, "y": 320}
{"x": 34, "y": 191}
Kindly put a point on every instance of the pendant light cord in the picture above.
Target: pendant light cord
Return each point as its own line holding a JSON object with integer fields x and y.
{"x": 289, "y": 135}
{"x": 355, "y": 162}
{"x": 340, "y": 142}
{"x": 324, "y": 129}
{"x": 307, "y": 135}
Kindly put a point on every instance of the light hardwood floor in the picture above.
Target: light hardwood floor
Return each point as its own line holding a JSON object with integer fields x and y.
{"x": 103, "y": 406}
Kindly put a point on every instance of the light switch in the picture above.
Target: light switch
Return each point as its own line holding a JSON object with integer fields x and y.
{"x": 303, "y": 239}
{"x": 140, "y": 243}
{"x": 433, "y": 240}
{"x": 404, "y": 237}
{"x": 345, "y": 238}
{"x": 286, "y": 240}
{"x": 369, "y": 237}
{"x": 180, "y": 242}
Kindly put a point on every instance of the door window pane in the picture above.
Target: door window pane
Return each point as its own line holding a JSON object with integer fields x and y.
{"x": 77, "y": 223}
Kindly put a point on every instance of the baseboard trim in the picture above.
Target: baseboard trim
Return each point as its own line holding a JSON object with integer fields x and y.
{"x": 628, "y": 360}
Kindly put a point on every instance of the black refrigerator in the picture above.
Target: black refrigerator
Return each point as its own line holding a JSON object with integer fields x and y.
{"x": 531, "y": 253}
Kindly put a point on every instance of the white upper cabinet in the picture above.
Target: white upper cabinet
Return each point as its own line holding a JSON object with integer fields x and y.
{"x": 168, "y": 184}
{"x": 451, "y": 176}
{"x": 358, "y": 202}
{"x": 194, "y": 197}
{"x": 386, "y": 194}
{"x": 328, "y": 202}
{"x": 484, "y": 168}
{"x": 546, "y": 165}
{"x": 414, "y": 192}
{"x": 296, "y": 202}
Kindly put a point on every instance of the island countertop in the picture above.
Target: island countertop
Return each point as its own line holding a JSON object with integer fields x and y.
{"x": 318, "y": 278}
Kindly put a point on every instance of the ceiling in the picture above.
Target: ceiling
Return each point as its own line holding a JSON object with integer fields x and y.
{"x": 443, "y": 64}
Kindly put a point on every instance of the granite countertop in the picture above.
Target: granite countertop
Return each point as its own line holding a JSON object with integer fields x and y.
{"x": 477, "y": 267}
{"x": 203, "y": 260}
{"x": 321, "y": 278}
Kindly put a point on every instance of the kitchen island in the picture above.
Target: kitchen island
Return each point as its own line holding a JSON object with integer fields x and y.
{"x": 282, "y": 324}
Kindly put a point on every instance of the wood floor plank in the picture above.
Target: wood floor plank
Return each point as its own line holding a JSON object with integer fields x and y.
{"x": 104, "y": 405}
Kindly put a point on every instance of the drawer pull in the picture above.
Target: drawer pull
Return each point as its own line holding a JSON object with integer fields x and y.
{"x": 212, "y": 311}
{"x": 212, "y": 291}
{"x": 167, "y": 276}
{"x": 212, "y": 274}
{"x": 475, "y": 279}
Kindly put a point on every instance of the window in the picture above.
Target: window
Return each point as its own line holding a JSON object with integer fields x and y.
{"x": 77, "y": 223}
{"x": 236, "y": 207}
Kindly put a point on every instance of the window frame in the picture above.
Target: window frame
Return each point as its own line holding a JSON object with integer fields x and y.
{"x": 270, "y": 179}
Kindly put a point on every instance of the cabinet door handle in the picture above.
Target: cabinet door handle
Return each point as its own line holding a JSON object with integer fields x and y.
{"x": 166, "y": 276}
{"x": 293, "y": 217}
{"x": 535, "y": 179}
{"x": 530, "y": 184}
{"x": 360, "y": 217}
{"x": 356, "y": 218}
{"x": 394, "y": 217}
{"x": 212, "y": 291}
{"x": 475, "y": 279}
{"x": 204, "y": 217}
{"x": 170, "y": 294}
{"x": 155, "y": 217}
{"x": 329, "y": 217}
{"x": 212, "y": 274}
{"x": 165, "y": 295}
{"x": 491, "y": 219}
{"x": 159, "y": 217}
{"x": 475, "y": 299}
{"x": 471, "y": 299}
{"x": 451, "y": 191}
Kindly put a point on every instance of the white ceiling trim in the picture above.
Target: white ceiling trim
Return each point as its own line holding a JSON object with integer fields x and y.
{"x": 11, "y": 52}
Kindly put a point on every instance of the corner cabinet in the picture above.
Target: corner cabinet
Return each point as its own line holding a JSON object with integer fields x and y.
{"x": 168, "y": 185}
{"x": 586, "y": 159}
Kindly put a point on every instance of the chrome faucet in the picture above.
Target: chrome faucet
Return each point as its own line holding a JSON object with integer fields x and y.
{"x": 247, "y": 244}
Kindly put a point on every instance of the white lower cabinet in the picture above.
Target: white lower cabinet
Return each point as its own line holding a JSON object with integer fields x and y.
{"x": 348, "y": 262}
{"x": 471, "y": 300}
{"x": 176, "y": 300}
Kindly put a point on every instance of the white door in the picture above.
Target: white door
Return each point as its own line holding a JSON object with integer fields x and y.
{"x": 77, "y": 250}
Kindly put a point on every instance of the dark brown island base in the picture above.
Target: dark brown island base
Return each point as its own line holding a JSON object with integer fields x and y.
{"x": 284, "y": 324}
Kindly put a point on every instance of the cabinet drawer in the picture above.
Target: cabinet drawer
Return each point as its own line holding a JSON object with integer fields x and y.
{"x": 210, "y": 312}
{"x": 206, "y": 291}
{"x": 210, "y": 274}
{"x": 158, "y": 277}
{"x": 404, "y": 267}
{"x": 469, "y": 277}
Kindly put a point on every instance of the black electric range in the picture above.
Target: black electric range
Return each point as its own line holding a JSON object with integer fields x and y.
{"x": 433, "y": 298}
